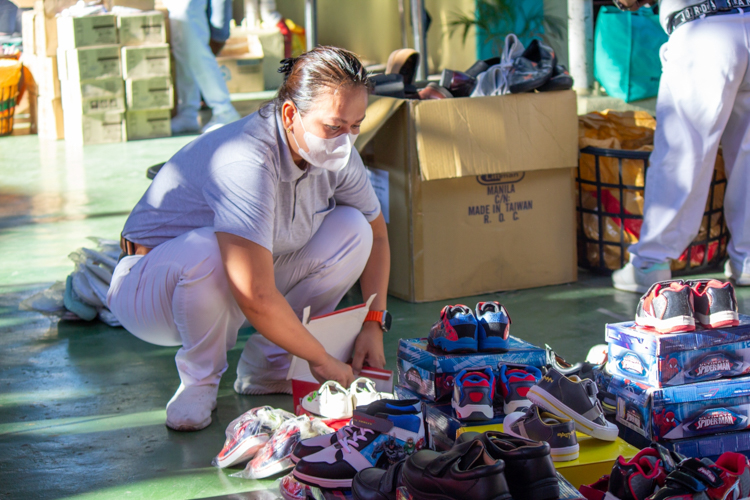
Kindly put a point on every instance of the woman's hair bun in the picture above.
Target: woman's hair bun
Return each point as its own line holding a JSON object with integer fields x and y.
{"x": 287, "y": 65}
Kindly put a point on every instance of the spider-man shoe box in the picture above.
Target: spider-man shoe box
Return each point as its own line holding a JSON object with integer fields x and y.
{"x": 686, "y": 411}
{"x": 677, "y": 359}
{"x": 429, "y": 371}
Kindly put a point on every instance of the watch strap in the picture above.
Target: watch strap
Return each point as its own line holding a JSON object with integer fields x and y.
{"x": 375, "y": 316}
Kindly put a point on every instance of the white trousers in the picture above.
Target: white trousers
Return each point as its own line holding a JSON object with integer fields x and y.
{"x": 195, "y": 65}
{"x": 704, "y": 99}
{"x": 178, "y": 294}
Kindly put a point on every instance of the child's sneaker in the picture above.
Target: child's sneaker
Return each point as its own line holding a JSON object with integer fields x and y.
{"x": 494, "y": 326}
{"x": 247, "y": 433}
{"x": 330, "y": 401}
{"x": 715, "y": 303}
{"x": 538, "y": 425}
{"x": 727, "y": 479}
{"x": 515, "y": 382}
{"x": 667, "y": 307}
{"x": 456, "y": 331}
{"x": 473, "y": 391}
{"x": 336, "y": 466}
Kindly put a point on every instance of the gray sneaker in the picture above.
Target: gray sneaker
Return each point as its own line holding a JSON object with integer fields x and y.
{"x": 575, "y": 399}
{"x": 539, "y": 425}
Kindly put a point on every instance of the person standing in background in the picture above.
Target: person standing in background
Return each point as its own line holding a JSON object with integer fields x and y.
{"x": 196, "y": 67}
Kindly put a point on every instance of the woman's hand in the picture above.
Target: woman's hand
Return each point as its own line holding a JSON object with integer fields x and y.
{"x": 332, "y": 369}
{"x": 368, "y": 349}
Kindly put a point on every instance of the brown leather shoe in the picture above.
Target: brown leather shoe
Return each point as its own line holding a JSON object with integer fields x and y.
{"x": 434, "y": 91}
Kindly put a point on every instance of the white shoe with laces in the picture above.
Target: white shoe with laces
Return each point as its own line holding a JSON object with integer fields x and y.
{"x": 219, "y": 120}
{"x": 332, "y": 400}
{"x": 191, "y": 406}
{"x": 633, "y": 279}
{"x": 184, "y": 124}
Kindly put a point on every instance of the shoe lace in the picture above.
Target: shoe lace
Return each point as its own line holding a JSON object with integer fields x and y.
{"x": 358, "y": 435}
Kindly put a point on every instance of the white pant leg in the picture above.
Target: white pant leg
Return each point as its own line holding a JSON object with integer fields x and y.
{"x": 196, "y": 67}
{"x": 178, "y": 295}
{"x": 703, "y": 65}
{"x": 318, "y": 275}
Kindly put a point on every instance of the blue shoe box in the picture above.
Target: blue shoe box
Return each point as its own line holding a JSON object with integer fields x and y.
{"x": 687, "y": 411}
{"x": 429, "y": 372}
{"x": 442, "y": 425}
{"x": 677, "y": 359}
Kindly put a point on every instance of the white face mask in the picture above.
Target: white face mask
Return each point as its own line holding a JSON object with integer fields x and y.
{"x": 330, "y": 154}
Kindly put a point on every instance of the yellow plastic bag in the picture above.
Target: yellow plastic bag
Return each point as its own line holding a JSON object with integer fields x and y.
{"x": 10, "y": 76}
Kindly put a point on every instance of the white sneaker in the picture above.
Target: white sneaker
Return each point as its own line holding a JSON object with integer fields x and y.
{"x": 249, "y": 383}
{"x": 191, "y": 406}
{"x": 740, "y": 279}
{"x": 634, "y": 279}
{"x": 330, "y": 401}
{"x": 363, "y": 392}
{"x": 184, "y": 124}
{"x": 219, "y": 120}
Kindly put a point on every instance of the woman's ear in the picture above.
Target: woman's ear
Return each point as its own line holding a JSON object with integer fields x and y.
{"x": 287, "y": 115}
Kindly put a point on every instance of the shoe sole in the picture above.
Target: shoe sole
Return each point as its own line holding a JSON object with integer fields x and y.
{"x": 677, "y": 324}
{"x": 473, "y": 412}
{"x": 718, "y": 320}
{"x": 451, "y": 346}
{"x": 243, "y": 453}
{"x": 562, "y": 454}
{"x": 500, "y": 345}
{"x": 584, "y": 425}
{"x": 322, "y": 482}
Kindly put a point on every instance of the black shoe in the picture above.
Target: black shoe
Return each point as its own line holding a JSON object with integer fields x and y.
{"x": 529, "y": 470}
{"x": 403, "y": 62}
{"x": 560, "y": 80}
{"x": 532, "y": 69}
{"x": 481, "y": 66}
{"x": 459, "y": 84}
{"x": 466, "y": 471}
{"x": 377, "y": 484}
{"x": 388, "y": 85}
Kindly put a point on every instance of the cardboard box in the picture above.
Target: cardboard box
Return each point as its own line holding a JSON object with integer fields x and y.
{"x": 685, "y": 411}
{"x": 144, "y": 5}
{"x": 94, "y": 96}
{"x": 95, "y": 128}
{"x": 45, "y": 71}
{"x": 149, "y": 93}
{"x": 676, "y": 359}
{"x": 242, "y": 73}
{"x": 45, "y": 35}
{"x": 75, "y": 32}
{"x": 91, "y": 63}
{"x": 147, "y": 28}
{"x": 480, "y": 191}
{"x": 28, "y": 32}
{"x": 148, "y": 124}
{"x": 50, "y": 118}
{"x": 430, "y": 373}
{"x": 145, "y": 62}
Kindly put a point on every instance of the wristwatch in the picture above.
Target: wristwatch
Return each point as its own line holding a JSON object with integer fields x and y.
{"x": 384, "y": 318}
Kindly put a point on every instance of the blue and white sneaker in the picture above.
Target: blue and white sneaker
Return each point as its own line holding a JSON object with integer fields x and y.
{"x": 456, "y": 331}
{"x": 473, "y": 391}
{"x": 336, "y": 466}
{"x": 494, "y": 326}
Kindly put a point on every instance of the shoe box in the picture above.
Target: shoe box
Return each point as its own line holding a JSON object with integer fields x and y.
{"x": 143, "y": 28}
{"x": 149, "y": 93}
{"x": 429, "y": 372}
{"x": 89, "y": 63}
{"x": 676, "y": 359}
{"x": 75, "y": 32}
{"x": 479, "y": 191}
{"x": 243, "y": 73}
{"x": 94, "y": 96}
{"x": 145, "y": 62}
{"x": 687, "y": 411}
{"x": 148, "y": 124}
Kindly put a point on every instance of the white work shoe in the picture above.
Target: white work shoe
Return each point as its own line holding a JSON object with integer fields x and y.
{"x": 219, "y": 120}
{"x": 633, "y": 279}
{"x": 249, "y": 383}
{"x": 332, "y": 400}
{"x": 184, "y": 124}
{"x": 740, "y": 279}
{"x": 191, "y": 406}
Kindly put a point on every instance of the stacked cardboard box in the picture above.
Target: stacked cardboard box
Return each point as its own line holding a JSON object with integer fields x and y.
{"x": 147, "y": 71}
{"x": 241, "y": 62}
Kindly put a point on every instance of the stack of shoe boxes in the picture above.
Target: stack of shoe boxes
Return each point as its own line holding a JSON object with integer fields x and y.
{"x": 93, "y": 95}
{"x": 688, "y": 391}
{"x": 147, "y": 71}
{"x": 428, "y": 374}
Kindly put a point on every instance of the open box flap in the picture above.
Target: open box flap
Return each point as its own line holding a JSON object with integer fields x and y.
{"x": 379, "y": 110}
{"x": 496, "y": 135}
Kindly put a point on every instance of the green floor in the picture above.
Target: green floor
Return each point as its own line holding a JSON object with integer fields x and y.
{"x": 82, "y": 405}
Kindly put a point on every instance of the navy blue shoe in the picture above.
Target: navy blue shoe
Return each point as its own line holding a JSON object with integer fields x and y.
{"x": 494, "y": 326}
{"x": 456, "y": 331}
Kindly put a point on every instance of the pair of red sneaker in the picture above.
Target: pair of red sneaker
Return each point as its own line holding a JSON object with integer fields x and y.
{"x": 653, "y": 474}
{"x": 674, "y": 306}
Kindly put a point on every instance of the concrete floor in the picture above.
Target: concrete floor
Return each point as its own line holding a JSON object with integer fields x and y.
{"x": 82, "y": 405}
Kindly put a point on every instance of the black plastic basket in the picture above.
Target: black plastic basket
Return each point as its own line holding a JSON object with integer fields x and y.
{"x": 702, "y": 254}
